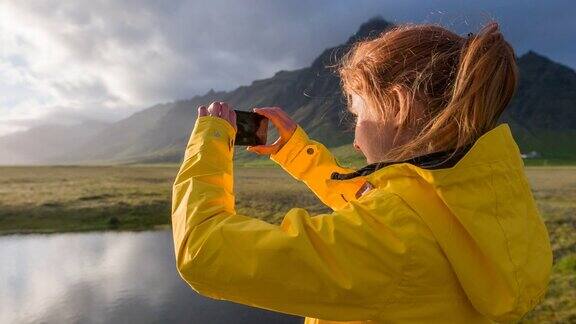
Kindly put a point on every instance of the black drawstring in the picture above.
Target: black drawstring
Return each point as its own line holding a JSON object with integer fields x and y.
{"x": 432, "y": 161}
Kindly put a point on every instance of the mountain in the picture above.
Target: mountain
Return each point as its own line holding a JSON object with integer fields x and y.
{"x": 42, "y": 143}
{"x": 541, "y": 115}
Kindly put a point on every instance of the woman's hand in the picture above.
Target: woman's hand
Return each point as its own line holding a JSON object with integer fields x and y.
{"x": 285, "y": 125}
{"x": 219, "y": 109}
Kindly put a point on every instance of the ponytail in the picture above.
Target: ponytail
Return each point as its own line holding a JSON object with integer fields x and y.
{"x": 485, "y": 83}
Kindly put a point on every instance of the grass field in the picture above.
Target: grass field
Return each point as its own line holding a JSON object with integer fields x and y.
{"x": 555, "y": 192}
{"x": 58, "y": 199}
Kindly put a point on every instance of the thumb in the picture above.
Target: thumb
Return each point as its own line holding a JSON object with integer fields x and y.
{"x": 253, "y": 149}
{"x": 263, "y": 149}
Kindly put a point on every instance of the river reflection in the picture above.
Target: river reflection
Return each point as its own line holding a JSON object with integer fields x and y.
{"x": 106, "y": 277}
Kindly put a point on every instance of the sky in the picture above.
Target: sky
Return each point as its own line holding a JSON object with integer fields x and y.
{"x": 70, "y": 61}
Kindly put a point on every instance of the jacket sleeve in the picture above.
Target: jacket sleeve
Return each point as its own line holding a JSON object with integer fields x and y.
{"x": 338, "y": 266}
{"x": 311, "y": 162}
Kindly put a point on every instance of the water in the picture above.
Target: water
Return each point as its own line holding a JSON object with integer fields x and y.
{"x": 106, "y": 277}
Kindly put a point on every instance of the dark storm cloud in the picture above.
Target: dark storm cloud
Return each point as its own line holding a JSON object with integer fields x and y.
{"x": 110, "y": 58}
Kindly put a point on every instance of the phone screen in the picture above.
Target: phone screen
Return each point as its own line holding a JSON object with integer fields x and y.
{"x": 252, "y": 128}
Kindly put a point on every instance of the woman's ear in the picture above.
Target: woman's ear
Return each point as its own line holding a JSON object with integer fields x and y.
{"x": 357, "y": 104}
{"x": 401, "y": 109}
{"x": 407, "y": 106}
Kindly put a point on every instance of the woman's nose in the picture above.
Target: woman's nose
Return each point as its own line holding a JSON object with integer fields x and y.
{"x": 357, "y": 148}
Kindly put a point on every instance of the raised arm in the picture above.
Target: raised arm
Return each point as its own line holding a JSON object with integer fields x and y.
{"x": 307, "y": 160}
{"x": 338, "y": 266}
{"x": 311, "y": 162}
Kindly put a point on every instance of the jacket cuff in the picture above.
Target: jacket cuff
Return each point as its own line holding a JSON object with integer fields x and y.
{"x": 288, "y": 156}
{"x": 211, "y": 133}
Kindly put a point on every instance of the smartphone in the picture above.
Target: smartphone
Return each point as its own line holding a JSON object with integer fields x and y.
{"x": 252, "y": 128}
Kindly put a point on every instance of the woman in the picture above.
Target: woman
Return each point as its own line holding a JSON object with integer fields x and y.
{"x": 439, "y": 227}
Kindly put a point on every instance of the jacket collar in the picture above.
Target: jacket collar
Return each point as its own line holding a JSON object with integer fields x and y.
{"x": 494, "y": 149}
{"x": 431, "y": 161}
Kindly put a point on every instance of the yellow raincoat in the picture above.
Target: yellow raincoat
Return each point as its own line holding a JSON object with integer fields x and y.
{"x": 464, "y": 244}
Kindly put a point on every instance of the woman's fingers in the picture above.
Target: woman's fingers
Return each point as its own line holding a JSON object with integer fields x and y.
{"x": 232, "y": 119}
{"x": 214, "y": 109}
{"x": 285, "y": 125}
{"x": 224, "y": 109}
{"x": 202, "y": 111}
{"x": 219, "y": 109}
{"x": 279, "y": 118}
{"x": 226, "y": 113}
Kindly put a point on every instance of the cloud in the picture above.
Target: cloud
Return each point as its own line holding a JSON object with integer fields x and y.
{"x": 106, "y": 59}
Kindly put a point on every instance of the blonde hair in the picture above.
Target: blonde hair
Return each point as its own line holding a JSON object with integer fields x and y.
{"x": 462, "y": 83}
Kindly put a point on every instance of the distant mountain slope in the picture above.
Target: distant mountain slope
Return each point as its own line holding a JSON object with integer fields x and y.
{"x": 542, "y": 114}
{"x": 546, "y": 96}
{"x": 310, "y": 95}
{"x": 42, "y": 143}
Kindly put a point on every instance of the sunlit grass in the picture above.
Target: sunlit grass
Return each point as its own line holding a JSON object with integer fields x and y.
{"x": 58, "y": 199}
{"x": 555, "y": 192}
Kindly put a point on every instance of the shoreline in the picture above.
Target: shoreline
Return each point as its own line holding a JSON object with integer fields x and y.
{"x": 158, "y": 228}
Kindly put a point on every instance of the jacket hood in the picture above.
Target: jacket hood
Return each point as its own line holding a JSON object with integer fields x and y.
{"x": 484, "y": 217}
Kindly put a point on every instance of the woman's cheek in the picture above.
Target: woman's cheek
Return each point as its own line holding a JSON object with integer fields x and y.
{"x": 361, "y": 137}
